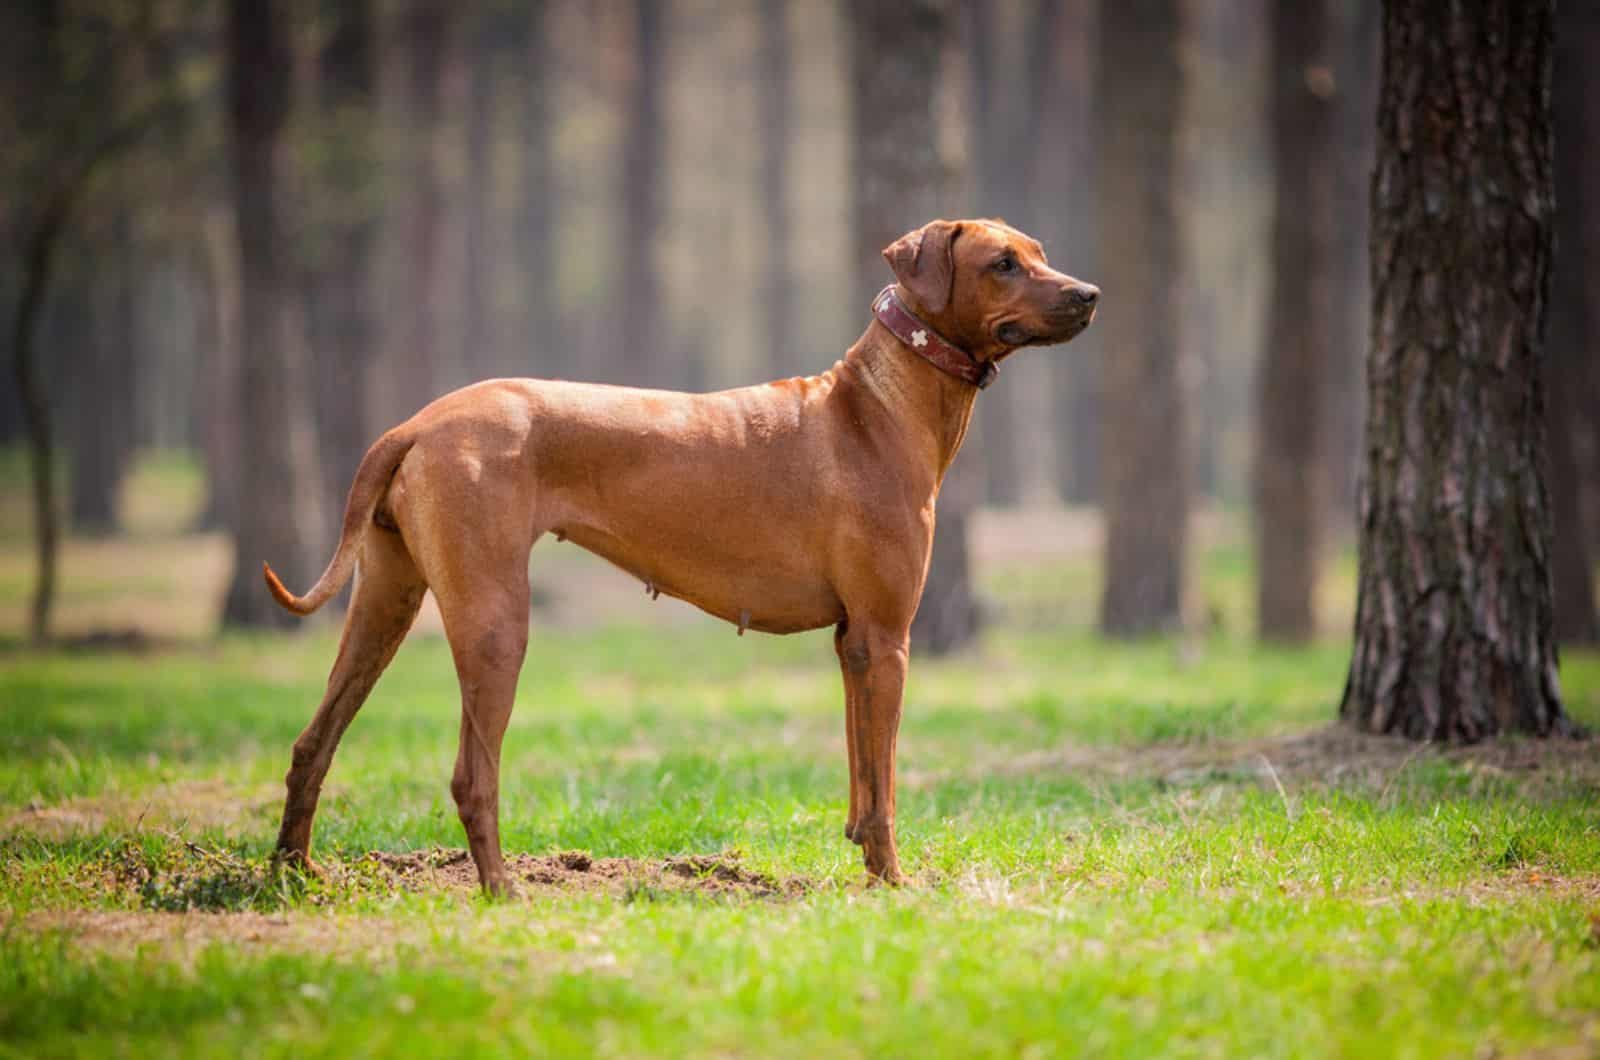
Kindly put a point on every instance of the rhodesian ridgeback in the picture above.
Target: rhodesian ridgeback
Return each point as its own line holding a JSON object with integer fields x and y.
{"x": 792, "y": 506}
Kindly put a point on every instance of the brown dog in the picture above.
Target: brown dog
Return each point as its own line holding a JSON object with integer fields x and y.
{"x": 791, "y": 506}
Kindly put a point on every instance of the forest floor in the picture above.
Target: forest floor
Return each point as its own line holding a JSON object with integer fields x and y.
{"x": 1153, "y": 849}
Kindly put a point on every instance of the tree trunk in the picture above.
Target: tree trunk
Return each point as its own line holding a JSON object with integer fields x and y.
{"x": 648, "y": 355}
{"x": 218, "y": 394}
{"x": 425, "y": 355}
{"x": 996, "y": 129}
{"x": 540, "y": 346}
{"x": 103, "y": 438}
{"x": 1289, "y": 466}
{"x": 343, "y": 289}
{"x": 895, "y": 53}
{"x": 1574, "y": 337}
{"x": 787, "y": 357}
{"x": 39, "y": 263}
{"x": 481, "y": 359}
{"x": 278, "y": 496}
{"x": 1356, "y": 73}
{"x": 1146, "y": 475}
{"x": 1453, "y": 635}
{"x": 1061, "y": 67}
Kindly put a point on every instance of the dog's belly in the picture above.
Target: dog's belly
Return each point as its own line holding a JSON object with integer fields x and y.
{"x": 770, "y": 594}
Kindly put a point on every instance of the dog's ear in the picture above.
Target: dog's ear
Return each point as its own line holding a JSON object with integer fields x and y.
{"x": 924, "y": 262}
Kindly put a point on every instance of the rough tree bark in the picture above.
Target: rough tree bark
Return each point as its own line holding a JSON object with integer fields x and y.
{"x": 278, "y": 496}
{"x": 1453, "y": 636}
{"x": 1146, "y": 478}
{"x": 895, "y": 52}
{"x": 1290, "y": 405}
{"x": 1574, "y": 340}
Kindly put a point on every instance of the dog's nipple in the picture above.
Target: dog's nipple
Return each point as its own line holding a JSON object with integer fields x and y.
{"x": 744, "y": 621}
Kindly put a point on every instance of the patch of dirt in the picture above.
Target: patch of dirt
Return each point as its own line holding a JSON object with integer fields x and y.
{"x": 123, "y": 931}
{"x": 1333, "y": 754}
{"x": 189, "y": 806}
{"x": 715, "y": 875}
{"x": 1336, "y": 753}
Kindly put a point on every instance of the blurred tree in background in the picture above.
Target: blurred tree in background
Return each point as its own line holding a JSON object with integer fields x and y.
{"x": 1145, "y": 447}
{"x": 277, "y": 508}
{"x": 1291, "y": 410}
{"x": 900, "y": 183}
{"x": 1574, "y": 375}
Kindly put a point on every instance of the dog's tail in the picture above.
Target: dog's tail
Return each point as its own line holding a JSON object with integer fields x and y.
{"x": 371, "y": 481}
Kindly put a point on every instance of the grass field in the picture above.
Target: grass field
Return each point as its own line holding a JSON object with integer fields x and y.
{"x": 1119, "y": 850}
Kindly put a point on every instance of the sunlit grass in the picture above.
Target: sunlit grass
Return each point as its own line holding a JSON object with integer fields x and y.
{"x": 1147, "y": 849}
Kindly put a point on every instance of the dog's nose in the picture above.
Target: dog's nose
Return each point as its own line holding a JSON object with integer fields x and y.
{"x": 1085, "y": 294}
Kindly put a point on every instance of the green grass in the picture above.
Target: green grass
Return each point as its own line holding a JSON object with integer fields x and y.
{"x": 1151, "y": 849}
{"x": 1103, "y": 865}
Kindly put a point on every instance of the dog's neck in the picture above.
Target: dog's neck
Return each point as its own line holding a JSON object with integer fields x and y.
{"x": 935, "y": 407}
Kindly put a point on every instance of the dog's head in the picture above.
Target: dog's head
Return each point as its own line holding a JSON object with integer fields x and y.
{"x": 988, "y": 288}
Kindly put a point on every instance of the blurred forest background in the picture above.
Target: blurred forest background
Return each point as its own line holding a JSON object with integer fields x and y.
{"x": 241, "y": 240}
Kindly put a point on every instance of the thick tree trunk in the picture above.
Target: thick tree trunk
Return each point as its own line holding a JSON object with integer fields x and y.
{"x": 1574, "y": 336}
{"x": 1453, "y": 636}
{"x": 1146, "y": 474}
{"x": 776, "y": 89}
{"x": 895, "y": 53}
{"x": 1290, "y": 432}
{"x": 278, "y": 495}
{"x": 648, "y": 355}
{"x": 343, "y": 289}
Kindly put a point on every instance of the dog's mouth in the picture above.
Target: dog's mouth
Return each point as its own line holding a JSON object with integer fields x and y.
{"x": 1013, "y": 334}
{"x": 1060, "y": 329}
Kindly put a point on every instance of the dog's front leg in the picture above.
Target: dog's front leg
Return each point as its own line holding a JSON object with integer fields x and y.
{"x": 875, "y": 660}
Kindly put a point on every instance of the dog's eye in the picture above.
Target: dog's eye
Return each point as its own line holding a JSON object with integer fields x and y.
{"x": 1006, "y": 264}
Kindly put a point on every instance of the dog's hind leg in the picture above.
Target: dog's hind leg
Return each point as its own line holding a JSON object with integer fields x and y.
{"x": 388, "y": 592}
{"x": 487, "y": 623}
{"x": 470, "y": 522}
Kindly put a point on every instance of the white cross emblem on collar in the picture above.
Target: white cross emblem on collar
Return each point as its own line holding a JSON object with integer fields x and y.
{"x": 919, "y": 338}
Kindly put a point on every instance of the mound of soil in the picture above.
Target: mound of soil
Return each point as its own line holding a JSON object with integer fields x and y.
{"x": 718, "y": 875}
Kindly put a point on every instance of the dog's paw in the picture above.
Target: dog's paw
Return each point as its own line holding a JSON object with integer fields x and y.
{"x": 499, "y": 888}
{"x": 299, "y": 861}
{"x": 890, "y": 876}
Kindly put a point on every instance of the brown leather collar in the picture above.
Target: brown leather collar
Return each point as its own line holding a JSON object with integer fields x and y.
{"x": 929, "y": 344}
